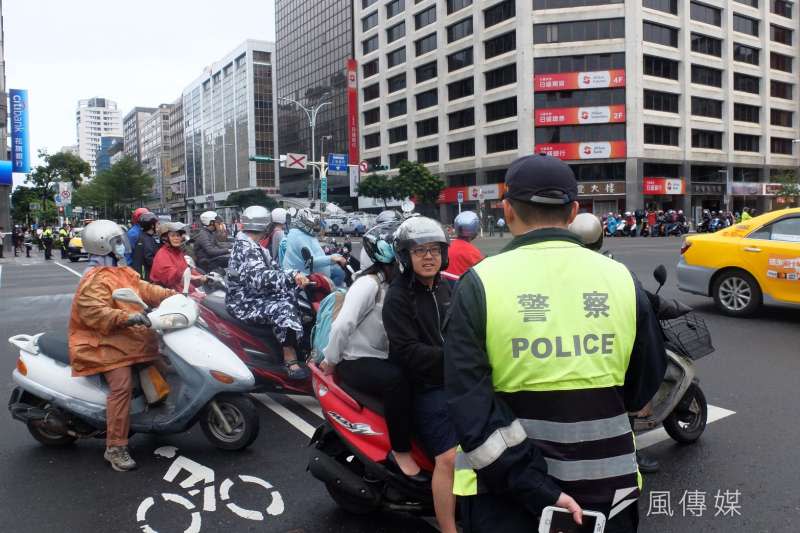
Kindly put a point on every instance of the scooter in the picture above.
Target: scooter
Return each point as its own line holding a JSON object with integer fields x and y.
{"x": 208, "y": 384}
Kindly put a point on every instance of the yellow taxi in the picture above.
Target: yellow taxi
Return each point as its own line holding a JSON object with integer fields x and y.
{"x": 75, "y": 249}
{"x": 748, "y": 264}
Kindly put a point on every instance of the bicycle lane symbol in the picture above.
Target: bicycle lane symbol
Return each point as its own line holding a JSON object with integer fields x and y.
{"x": 203, "y": 476}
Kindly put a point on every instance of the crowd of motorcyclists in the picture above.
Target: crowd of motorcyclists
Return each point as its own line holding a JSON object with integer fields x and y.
{"x": 660, "y": 223}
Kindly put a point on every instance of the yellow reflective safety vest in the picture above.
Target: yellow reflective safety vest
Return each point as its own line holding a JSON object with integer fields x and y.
{"x": 560, "y": 329}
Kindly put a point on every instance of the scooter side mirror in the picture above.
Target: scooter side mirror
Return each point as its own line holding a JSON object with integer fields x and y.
{"x": 129, "y": 296}
{"x": 187, "y": 280}
{"x": 660, "y": 273}
{"x": 407, "y": 207}
{"x": 189, "y": 261}
{"x": 305, "y": 253}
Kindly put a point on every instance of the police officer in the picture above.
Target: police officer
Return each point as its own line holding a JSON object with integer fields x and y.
{"x": 548, "y": 347}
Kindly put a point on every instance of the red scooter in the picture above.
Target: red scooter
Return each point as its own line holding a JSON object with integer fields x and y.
{"x": 349, "y": 453}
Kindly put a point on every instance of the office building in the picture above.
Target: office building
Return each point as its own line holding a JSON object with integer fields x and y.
{"x": 229, "y": 115}
{"x": 155, "y": 153}
{"x": 71, "y": 149}
{"x": 5, "y": 190}
{"x": 176, "y": 178}
{"x": 661, "y": 103}
{"x": 109, "y": 145}
{"x": 132, "y": 127}
{"x": 96, "y": 118}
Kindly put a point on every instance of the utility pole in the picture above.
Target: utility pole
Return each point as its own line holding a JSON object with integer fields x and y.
{"x": 311, "y": 113}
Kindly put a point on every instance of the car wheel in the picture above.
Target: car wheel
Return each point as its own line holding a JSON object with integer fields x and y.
{"x": 737, "y": 293}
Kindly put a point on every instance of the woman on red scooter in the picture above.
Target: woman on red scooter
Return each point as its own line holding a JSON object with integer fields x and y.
{"x": 415, "y": 307}
{"x": 359, "y": 350}
{"x": 169, "y": 263}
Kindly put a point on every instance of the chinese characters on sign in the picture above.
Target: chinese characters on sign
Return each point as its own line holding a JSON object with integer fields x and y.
{"x": 600, "y": 79}
{"x": 584, "y": 150}
{"x": 533, "y": 307}
{"x": 601, "y": 188}
{"x": 693, "y": 503}
{"x": 18, "y": 107}
{"x": 595, "y": 304}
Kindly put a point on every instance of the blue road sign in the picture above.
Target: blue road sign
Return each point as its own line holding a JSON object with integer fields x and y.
{"x": 337, "y": 164}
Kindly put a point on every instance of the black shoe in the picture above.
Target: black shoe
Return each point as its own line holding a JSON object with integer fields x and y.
{"x": 647, "y": 464}
{"x": 422, "y": 478}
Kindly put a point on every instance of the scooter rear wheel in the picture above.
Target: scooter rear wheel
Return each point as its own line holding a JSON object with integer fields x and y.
{"x": 688, "y": 420}
{"x": 53, "y": 440}
{"x": 241, "y": 415}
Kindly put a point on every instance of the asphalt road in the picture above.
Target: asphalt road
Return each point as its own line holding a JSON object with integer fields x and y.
{"x": 752, "y": 380}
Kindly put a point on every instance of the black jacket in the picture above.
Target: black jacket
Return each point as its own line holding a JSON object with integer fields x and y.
{"x": 477, "y": 412}
{"x": 413, "y": 315}
{"x": 207, "y": 248}
{"x": 143, "y": 254}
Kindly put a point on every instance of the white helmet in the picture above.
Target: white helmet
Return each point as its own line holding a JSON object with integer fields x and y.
{"x": 279, "y": 215}
{"x": 208, "y": 217}
{"x": 102, "y": 237}
{"x": 589, "y": 229}
{"x": 256, "y": 218}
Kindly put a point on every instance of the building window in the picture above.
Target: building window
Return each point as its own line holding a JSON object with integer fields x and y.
{"x": 780, "y": 117}
{"x": 372, "y": 92}
{"x": 745, "y": 83}
{"x": 366, "y": 3}
{"x": 563, "y": 4}
{"x": 398, "y": 134}
{"x": 396, "y": 83}
{"x": 745, "y": 54}
{"x": 459, "y": 30}
{"x": 425, "y": 45}
{"x": 703, "y": 44}
{"x": 428, "y": 155}
{"x": 501, "y": 109}
{"x": 658, "y": 101}
{"x": 595, "y": 97}
{"x": 746, "y": 25}
{"x": 580, "y": 63}
{"x": 498, "y": 13}
{"x": 501, "y": 76}
{"x": 779, "y": 89}
{"x": 425, "y": 72}
{"x": 780, "y": 34}
{"x": 706, "y": 76}
{"x": 661, "y": 67}
{"x": 704, "y": 13}
{"x": 779, "y": 145}
{"x": 425, "y": 18}
{"x": 395, "y": 7}
{"x": 569, "y": 134}
{"x": 396, "y": 57}
{"x": 427, "y": 99}
{"x": 396, "y": 32}
{"x": 369, "y": 22}
{"x": 459, "y": 60}
{"x": 501, "y": 142}
{"x": 746, "y": 174}
{"x": 370, "y": 68}
{"x": 461, "y": 119}
{"x": 707, "y": 139}
{"x": 584, "y": 30}
{"x": 457, "y": 5}
{"x": 781, "y": 7}
{"x": 656, "y": 33}
{"x": 667, "y": 6}
{"x": 459, "y": 149}
{"x": 780, "y": 62}
{"x": 745, "y": 143}
{"x": 751, "y": 3}
{"x": 428, "y": 127}
{"x": 397, "y": 108}
{"x": 372, "y": 116}
{"x": 500, "y": 45}
{"x": 660, "y": 135}
{"x": 370, "y": 45}
{"x": 460, "y": 89}
{"x": 373, "y": 140}
{"x": 746, "y": 113}
{"x": 396, "y": 159}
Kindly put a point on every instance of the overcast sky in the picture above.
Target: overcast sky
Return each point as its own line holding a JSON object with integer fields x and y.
{"x": 135, "y": 52}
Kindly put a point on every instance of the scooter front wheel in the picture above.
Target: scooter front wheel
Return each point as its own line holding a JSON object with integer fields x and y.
{"x": 688, "y": 420}
{"x": 230, "y": 422}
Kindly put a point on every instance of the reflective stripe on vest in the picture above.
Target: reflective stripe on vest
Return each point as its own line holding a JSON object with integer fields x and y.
{"x": 560, "y": 318}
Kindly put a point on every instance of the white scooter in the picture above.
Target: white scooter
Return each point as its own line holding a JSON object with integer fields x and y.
{"x": 207, "y": 383}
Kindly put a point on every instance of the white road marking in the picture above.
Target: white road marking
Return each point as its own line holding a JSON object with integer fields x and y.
{"x": 68, "y": 269}
{"x": 655, "y": 436}
{"x": 309, "y": 402}
{"x": 301, "y": 425}
{"x": 1, "y": 275}
{"x": 167, "y": 452}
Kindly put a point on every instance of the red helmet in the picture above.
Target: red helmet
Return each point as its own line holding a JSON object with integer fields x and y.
{"x": 137, "y": 214}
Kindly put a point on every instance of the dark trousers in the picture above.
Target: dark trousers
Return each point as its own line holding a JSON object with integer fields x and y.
{"x": 387, "y": 381}
{"x": 491, "y": 513}
{"x": 64, "y": 250}
{"x": 48, "y": 249}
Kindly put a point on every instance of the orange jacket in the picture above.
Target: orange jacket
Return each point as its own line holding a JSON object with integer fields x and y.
{"x": 98, "y": 339}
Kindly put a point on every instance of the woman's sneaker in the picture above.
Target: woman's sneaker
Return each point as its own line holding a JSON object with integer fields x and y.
{"x": 120, "y": 459}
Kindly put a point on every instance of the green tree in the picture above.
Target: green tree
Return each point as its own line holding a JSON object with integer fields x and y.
{"x": 377, "y": 186}
{"x": 244, "y": 199}
{"x": 415, "y": 180}
{"x": 117, "y": 190}
{"x": 21, "y": 199}
{"x": 62, "y": 166}
{"x": 790, "y": 187}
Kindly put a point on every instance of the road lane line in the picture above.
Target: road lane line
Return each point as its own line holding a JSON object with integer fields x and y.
{"x": 309, "y": 402}
{"x": 1, "y": 275}
{"x": 68, "y": 269}
{"x": 299, "y": 424}
{"x": 654, "y": 436}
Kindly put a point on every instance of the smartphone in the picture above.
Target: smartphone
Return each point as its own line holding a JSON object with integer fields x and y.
{"x": 558, "y": 520}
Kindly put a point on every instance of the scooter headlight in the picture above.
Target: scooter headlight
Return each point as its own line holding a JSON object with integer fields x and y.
{"x": 173, "y": 321}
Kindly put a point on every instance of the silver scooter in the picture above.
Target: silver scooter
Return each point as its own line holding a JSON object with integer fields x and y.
{"x": 207, "y": 381}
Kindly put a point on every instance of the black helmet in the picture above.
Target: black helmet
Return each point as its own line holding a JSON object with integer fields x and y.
{"x": 378, "y": 242}
{"x": 415, "y": 231}
{"x": 148, "y": 221}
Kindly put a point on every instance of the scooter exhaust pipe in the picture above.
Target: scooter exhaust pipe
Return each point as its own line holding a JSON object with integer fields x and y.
{"x": 328, "y": 470}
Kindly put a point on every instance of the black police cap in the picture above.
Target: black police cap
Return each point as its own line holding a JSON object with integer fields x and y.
{"x": 541, "y": 179}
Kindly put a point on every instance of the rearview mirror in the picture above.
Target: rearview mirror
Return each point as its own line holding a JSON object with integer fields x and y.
{"x": 292, "y": 211}
{"x": 128, "y": 295}
{"x": 306, "y": 253}
{"x": 407, "y": 206}
{"x": 187, "y": 280}
{"x": 189, "y": 261}
{"x": 660, "y": 273}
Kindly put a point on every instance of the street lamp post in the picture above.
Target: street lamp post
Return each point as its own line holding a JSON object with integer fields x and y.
{"x": 311, "y": 113}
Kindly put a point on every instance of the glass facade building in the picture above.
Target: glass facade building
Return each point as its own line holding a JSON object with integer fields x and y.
{"x": 108, "y": 146}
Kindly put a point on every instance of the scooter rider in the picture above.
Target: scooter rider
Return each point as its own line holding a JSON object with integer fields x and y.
{"x": 209, "y": 252}
{"x": 146, "y": 247}
{"x": 107, "y": 336}
{"x": 387, "y": 215}
{"x": 462, "y": 254}
{"x": 537, "y": 424}
{"x": 136, "y": 229}
{"x": 276, "y": 232}
{"x": 304, "y": 235}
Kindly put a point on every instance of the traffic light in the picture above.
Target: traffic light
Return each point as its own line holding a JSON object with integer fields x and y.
{"x": 377, "y": 168}
{"x": 262, "y": 158}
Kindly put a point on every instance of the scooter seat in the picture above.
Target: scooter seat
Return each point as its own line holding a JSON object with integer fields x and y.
{"x": 217, "y": 306}
{"x": 373, "y": 403}
{"x": 54, "y": 345}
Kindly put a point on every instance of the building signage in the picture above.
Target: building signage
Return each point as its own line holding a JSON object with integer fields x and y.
{"x": 713, "y": 189}
{"x": 474, "y": 193}
{"x": 587, "y": 150}
{"x": 5, "y": 173}
{"x": 20, "y": 151}
{"x": 296, "y": 161}
{"x": 569, "y": 81}
{"x": 337, "y": 164}
{"x": 352, "y": 110}
{"x": 659, "y": 186}
{"x": 601, "y": 188}
{"x": 580, "y": 115}
{"x": 355, "y": 177}
{"x": 747, "y": 188}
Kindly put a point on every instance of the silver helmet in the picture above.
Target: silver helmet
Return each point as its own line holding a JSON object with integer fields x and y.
{"x": 306, "y": 221}
{"x": 589, "y": 229}
{"x": 415, "y": 231}
{"x": 208, "y": 217}
{"x": 256, "y": 218}
{"x": 467, "y": 225}
{"x": 102, "y": 237}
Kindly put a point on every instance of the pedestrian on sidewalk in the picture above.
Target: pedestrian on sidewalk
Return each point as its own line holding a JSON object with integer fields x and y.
{"x": 2, "y": 240}
{"x": 491, "y": 225}
{"x": 28, "y": 241}
{"x": 501, "y": 225}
